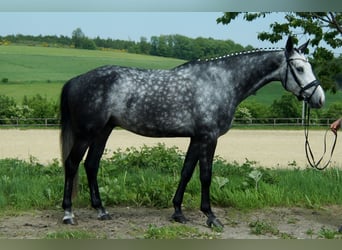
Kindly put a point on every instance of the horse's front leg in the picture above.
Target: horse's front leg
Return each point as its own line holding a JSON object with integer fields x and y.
{"x": 206, "y": 161}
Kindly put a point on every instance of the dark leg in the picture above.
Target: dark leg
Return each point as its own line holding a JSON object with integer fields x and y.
{"x": 190, "y": 162}
{"x": 71, "y": 167}
{"x": 92, "y": 166}
{"x": 206, "y": 160}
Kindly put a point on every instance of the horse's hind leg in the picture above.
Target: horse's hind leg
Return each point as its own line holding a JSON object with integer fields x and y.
{"x": 71, "y": 167}
{"x": 91, "y": 164}
{"x": 189, "y": 165}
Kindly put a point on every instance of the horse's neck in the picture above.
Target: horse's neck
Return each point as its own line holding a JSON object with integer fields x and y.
{"x": 254, "y": 71}
{"x": 244, "y": 74}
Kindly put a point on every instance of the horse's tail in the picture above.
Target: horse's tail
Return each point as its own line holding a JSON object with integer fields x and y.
{"x": 67, "y": 134}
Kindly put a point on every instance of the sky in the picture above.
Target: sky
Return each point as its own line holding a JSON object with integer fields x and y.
{"x": 134, "y": 25}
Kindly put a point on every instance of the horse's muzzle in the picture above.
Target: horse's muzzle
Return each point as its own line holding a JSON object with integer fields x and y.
{"x": 316, "y": 99}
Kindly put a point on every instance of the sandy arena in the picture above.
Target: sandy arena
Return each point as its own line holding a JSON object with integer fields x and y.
{"x": 269, "y": 148}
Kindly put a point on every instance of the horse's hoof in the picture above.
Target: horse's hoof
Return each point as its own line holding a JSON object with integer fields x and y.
{"x": 214, "y": 223}
{"x": 104, "y": 217}
{"x": 69, "y": 221}
{"x": 180, "y": 218}
{"x": 103, "y": 214}
{"x": 69, "y": 218}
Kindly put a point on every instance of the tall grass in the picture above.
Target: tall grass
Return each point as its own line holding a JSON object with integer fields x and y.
{"x": 29, "y": 185}
{"x": 149, "y": 176}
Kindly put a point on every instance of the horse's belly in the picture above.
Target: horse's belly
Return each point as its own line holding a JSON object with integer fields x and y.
{"x": 155, "y": 129}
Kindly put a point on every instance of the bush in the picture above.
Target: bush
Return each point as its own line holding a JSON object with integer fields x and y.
{"x": 88, "y": 44}
{"x": 4, "y": 80}
{"x": 334, "y": 111}
{"x": 7, "y": 109}
{"x": 40, "y": 107}
{"x": 146, "y": 176}
{"x": 287, "y": 106}
{"x": 244, "y": 114}
{"x": 33, "y": 107}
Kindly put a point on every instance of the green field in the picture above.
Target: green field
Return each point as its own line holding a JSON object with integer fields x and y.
{"x": 42, "y": 64}
{"x": 274, "y": 91}
{"x": 43, "y": 70}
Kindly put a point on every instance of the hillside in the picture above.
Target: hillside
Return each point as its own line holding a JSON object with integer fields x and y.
{"x": 44, "y": 64}
{"x": 31, "y": 70}
{"x": 28, "y": 70}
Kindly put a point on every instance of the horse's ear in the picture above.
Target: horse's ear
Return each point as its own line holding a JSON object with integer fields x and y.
{"x": 289, "y": 45}
{"x": 303, "y": 47}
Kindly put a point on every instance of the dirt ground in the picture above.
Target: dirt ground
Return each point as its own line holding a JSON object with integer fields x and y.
{"x": 133, "y": 223}
{"x": 268, "y": 148}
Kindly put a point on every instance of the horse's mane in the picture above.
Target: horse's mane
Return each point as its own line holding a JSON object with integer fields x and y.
{"x": 233, "y": 54}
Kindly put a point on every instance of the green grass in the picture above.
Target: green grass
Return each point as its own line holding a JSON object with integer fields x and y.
{"x": 51, "y": 91}
{"x": 149, "y": 177}
{"x": 45, "y": 185}
{"x": 176, "y": 232}
{"x": 43, "y": 70}
{"x": 74, "y": 234}
{"x": 42, "y": 64}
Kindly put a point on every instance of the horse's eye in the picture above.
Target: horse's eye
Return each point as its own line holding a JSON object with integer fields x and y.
{"x": 300, "y": 69}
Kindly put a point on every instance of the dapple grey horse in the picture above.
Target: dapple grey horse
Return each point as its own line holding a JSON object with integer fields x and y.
{"x": 197, "y": 100}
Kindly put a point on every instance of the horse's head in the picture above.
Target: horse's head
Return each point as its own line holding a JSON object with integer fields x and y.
{"x": 299, "y": 77}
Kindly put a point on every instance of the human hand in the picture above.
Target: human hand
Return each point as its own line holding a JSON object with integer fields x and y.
{"x": 336, "y": 125}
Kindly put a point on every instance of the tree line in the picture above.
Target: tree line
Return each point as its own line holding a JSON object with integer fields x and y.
{"x": 176, "y": 46}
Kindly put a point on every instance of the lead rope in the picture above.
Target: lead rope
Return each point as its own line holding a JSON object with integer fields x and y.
{"x": 309, "y": 155}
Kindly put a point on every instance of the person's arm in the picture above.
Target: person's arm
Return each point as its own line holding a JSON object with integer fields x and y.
{"x": 336, "y": 125}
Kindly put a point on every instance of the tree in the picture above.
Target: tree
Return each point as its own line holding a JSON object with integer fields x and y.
{"x": 87, "y": 43}
{"x": 80, "y": 41}
{"x": 320, "y": 27}
{"x": 77, "y": 37}
{"x": 144, "y": 46}
{"x": 286, "y": 107}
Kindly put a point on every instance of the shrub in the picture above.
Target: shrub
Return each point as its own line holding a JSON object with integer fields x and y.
{"x": 41, "y": 107}
{"x": 4, "y": 80}
{"x": 244, "y": 114}
{"x": 287, "y": 106}
{"x": 334, "y": 111}
{"x": 7, "y": 109}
